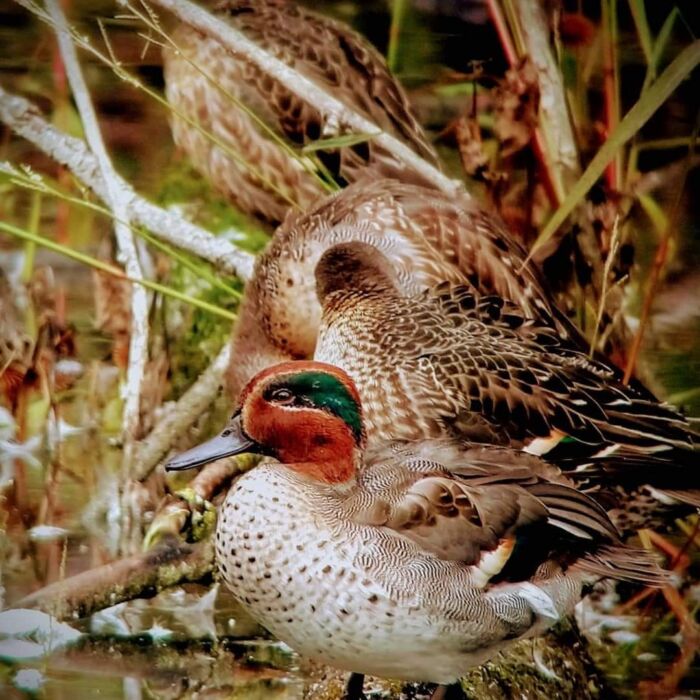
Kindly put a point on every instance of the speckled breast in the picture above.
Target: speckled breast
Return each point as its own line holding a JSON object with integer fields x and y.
{"x": 303, "y": 573}
{"x": 293, "y": 572}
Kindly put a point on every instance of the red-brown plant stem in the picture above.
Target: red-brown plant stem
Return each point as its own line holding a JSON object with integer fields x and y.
{"x": 538, "y": 143}
{"x": 610, "y": 87}
{"x": 667, "y": 686}
{"x": 60, "y": 85}
{"x": 20, "y": 491}
{"x": 501, "y": 26}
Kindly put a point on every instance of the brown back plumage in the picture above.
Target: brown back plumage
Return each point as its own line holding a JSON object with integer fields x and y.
{"x": 448, "y": 361}
{"x": 322, "y": 50}
{"x": 426, "y": 238}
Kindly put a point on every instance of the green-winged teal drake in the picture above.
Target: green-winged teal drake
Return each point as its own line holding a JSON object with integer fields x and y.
{"x": 449, "y": 362}
{"x": 408, "y": 560}
{"x": 322, "y": 50}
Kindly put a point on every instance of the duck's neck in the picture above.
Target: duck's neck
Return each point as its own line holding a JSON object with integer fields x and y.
{"x": 333, "y": 464}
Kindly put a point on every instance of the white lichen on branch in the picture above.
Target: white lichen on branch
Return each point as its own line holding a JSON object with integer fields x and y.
{"x": 127, "y": 253}
{"x": 23, "y": 118}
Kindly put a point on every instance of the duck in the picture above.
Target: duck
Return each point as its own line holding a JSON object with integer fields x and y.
{"x": 449, "y": 362}
{"x": 414, "y": 560}
{"x": 428, "y": 237}
{"x": 266, "y": 174}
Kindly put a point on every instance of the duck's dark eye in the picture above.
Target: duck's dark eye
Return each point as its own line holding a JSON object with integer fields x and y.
{"x": 282, "y": 396}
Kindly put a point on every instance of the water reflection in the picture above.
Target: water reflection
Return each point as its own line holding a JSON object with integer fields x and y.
{"x": 131, "y": 669}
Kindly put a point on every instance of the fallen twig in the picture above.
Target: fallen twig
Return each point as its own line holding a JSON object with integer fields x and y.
{"x": 556, "y": 129}
{"x": 554, "y": 142}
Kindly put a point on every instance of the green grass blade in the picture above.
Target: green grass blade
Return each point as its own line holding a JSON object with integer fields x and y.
{"x": 337, "y": 142}
{"x": 24, "y": 177}
{"x": 655, "y": 213}
{"x": 659, "y": 47}
{"x": 30, "y": 246}
{"x": 632, "y": 122}
{"x": 639, "y": 14}
{"x": 663, "y": 37}
{"x": 204, "y": 272}
{"x": 113, "y": 270}
{"x": 398, "y": 12}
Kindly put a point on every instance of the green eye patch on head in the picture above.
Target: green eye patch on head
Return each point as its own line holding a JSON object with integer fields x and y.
{"x": 323, "y": 391}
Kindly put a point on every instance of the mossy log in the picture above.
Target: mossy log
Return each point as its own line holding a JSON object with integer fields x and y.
{"x": 557, "y": 665}
{"x": 142, "y": 575}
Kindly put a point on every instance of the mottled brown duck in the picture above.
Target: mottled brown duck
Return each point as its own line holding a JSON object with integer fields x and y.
{"x": 322, "y": 50}
{"x": 414, "y": 561}
{"x": 449, "y": 362}
{"x": 427, "y": 236}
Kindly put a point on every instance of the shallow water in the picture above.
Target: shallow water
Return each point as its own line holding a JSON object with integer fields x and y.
{"x": 117, "y": 669}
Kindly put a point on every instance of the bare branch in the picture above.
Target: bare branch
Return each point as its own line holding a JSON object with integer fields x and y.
{"x": 193, "y": 403}
{"x": 557, "y": 131}
{"x": 24, "y": 119}
{"x": 127, "y": 254}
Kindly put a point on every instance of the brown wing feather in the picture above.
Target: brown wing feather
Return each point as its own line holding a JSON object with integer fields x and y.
{"x": 449, "y": 362}
{"x": 626, "y": 564}
{"x": 495, "y": 366}
{"x": 479, "y": 244}
{"x": 516, "y": 368}
{"x": 472, "y": 505}
{"x": 458, "y": 522}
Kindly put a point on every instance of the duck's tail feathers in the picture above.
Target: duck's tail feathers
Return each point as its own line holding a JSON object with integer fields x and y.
{"x": 671, "y": 474}
{"x": 617, "y": 413}
{"x": 574, "y": 512}
{"x": 624, "y": 564}
{"x": 690, "y": 497}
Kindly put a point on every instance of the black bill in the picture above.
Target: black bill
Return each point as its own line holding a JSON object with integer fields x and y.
{"x": 231, "y": 441}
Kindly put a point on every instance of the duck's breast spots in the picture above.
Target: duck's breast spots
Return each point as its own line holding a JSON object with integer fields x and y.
{"x": 297, "y": 577}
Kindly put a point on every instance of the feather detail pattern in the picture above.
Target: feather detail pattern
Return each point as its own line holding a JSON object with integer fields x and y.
{"x": 476, "y": 367}
{"x": 322, "y": 50}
